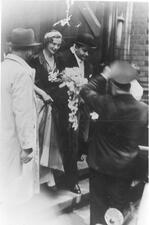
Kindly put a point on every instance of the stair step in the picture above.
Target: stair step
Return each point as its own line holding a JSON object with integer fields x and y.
{"x": 83, "y": 213}
{"x": 46, "y": 206}
{"x": 53, "y": 206}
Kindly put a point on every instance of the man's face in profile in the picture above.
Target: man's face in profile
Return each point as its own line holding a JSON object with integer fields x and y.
{"x": 82, "y": 52}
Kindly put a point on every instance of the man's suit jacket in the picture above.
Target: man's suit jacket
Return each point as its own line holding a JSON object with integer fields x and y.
{"x": 113, "y": 144}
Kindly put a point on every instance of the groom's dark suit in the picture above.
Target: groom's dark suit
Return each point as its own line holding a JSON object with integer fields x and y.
{"x": 69, "y": 137}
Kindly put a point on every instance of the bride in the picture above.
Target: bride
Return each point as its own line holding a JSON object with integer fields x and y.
{"x": 46, "y": 84}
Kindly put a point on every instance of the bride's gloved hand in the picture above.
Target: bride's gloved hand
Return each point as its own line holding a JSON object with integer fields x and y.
{"x": 47, "y": 98}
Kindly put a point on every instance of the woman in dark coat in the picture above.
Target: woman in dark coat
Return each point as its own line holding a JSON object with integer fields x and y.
{"x": 47, "y": 88}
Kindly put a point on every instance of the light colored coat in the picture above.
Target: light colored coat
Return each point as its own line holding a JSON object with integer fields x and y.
{"x": 18, "y": 117}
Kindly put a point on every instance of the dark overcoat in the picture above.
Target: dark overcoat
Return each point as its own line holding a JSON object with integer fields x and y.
{"x": 113, "y": 143}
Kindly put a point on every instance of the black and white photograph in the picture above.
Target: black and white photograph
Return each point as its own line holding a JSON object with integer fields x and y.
{"x": 74, "y": 112}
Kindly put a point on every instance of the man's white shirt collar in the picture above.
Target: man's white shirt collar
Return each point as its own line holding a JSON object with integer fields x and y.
{"x": 72, "y": 49}
{"x": 79, "y": 61}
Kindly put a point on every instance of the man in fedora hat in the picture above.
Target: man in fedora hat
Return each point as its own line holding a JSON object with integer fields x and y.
{"x": 18, "y": 115}
{"x": 76, "y": 56}
{"x": 113, "y": 143}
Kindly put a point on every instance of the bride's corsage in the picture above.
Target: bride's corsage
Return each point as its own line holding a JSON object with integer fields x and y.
{"x": 54, "y": 76}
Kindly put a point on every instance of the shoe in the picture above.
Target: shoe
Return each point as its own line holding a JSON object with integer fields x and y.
{"x": 52, "y": 188}
{"x": 76, "y": 189}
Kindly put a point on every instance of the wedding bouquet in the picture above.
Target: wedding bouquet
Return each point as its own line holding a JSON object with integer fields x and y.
{"x": 73, "y": 80}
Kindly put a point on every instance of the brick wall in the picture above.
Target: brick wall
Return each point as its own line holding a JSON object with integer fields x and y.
{"x": 136, "y": 30}
{"x": 139, "y": 42}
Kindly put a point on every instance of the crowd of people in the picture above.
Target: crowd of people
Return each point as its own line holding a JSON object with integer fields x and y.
{"x": 38, "y": 140}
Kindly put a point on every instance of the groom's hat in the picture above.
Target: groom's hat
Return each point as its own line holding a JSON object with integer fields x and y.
{"x": 86, "y": 40}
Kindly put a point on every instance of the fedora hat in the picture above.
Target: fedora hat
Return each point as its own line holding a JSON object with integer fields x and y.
{"x": 122, "y": 72}
{"x": 86, "y": 40}
{"x": 23, "y": 38}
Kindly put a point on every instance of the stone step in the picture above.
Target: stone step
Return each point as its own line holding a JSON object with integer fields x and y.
{"x": 48, "y": 206}
{"x": 83, "y": 173}
{"x": 83, "y": 213}
{"x": 67, "y": 200}
{"x": 56, "y": 207}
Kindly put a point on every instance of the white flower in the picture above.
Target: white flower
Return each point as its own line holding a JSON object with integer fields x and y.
{"x": 94, "y": 116}
{"x": 73, "y": 79}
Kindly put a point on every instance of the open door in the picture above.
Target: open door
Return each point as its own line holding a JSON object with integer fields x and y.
{"x": 95, "y": 17}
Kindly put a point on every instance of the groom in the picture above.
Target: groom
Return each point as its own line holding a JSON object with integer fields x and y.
{"x": 76, "y": 56}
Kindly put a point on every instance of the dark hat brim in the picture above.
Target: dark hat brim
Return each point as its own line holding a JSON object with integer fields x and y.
{"x": 92, "y": 46}
{"x": 35, "y": 44}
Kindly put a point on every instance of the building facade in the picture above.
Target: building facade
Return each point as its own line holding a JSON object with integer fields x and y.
{"x": 120, "y": 28}
{"x": 134, "y": 44}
